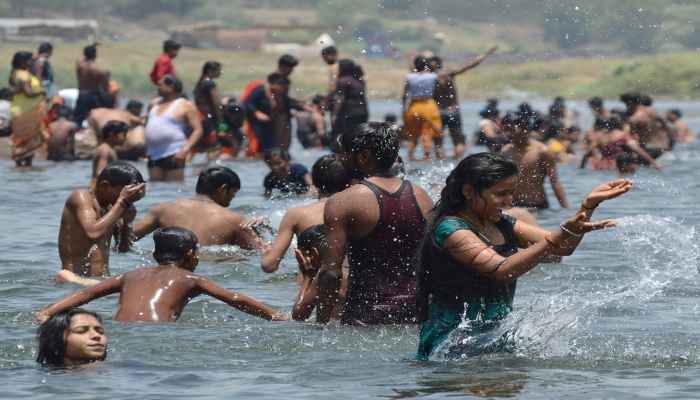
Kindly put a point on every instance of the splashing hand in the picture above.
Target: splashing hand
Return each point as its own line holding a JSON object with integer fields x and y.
{"x": 606, "y": 191}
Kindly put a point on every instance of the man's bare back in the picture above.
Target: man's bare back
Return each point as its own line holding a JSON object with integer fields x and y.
{"x": 212, "y": 223}
{"x": 90, "y": 77}
{"x": 60, "y": 144}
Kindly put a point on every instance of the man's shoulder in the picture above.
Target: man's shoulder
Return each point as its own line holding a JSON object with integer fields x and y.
{"x": 78, "y": 197}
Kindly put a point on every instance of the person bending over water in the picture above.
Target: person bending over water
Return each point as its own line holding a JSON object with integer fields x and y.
{"x": 535, "y": 164}
{"x": 169, "y": 119}
{"x": 470, "y": 257}
{"x": 135, "y": 144}
{"x": 329, "y": 176}
{"x": 159, "y": 294}
{"x": 90, "y": 217}
{"x": 206, "y": 214}
{"x": 113, "y": 134}
{"x": 71, "y": 338}
{"x": 61, "y": 143}
{"x": 380, "y": 222}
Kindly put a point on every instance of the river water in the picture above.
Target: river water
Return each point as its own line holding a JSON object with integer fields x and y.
{"x": 618, "y": 319}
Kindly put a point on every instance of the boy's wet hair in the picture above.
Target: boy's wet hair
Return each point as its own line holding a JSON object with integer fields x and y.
{"x": 211, "y": 179}
{"x": 677, "y": 112}
{"x": 288, "y": 60}
{"x": 330, "y": 175}
{"x": 380, "y": 138}
{"x": 276, "y": 152}
{"x": 112, "y": 128}
{"x": 313, "y": 238}
{"x": 120, "y": 173}
{"x": 172, "y": 244}
{"x": 52, "y": 343}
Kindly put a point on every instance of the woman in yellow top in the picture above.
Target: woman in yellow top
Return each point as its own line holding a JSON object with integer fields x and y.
{"x": 27, "y": 109}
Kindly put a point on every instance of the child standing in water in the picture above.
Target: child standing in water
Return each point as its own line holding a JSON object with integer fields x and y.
{"x": 90, "y": 217}
{"x": 470, "y": 258}
{"x": 157, "y": 294}
{"x": 113, "y": 134}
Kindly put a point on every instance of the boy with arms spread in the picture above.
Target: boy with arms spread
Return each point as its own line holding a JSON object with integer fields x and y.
{"x": 206, "y": 214}
{"x": 160, "y": 293}
{"x": 90, "y": 217}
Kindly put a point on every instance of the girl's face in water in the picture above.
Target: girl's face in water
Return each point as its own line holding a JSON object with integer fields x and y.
{"x": 489, "y": 204}
{"x": 85, "y": 340}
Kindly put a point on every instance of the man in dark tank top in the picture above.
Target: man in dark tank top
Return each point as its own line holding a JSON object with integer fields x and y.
{"x": 379, "y": 222}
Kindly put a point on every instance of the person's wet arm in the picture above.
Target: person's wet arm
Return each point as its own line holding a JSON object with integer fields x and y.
{"x": 238, "y": 300}
{"x": 550, "y": 165}
{"x": 306, "y": 299}
{"x": 330, "y": 274}
{"x": 147, "y": 224}
{"x": 473, "y": 63}
{"x": 101, "y": 162}
{"x": 94, "y": 227}
{"x": 104, "y": 288}
{"x": 273, "y": 254}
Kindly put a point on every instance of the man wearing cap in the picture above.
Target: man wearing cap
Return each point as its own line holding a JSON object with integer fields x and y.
{"x": 164, "y": 63}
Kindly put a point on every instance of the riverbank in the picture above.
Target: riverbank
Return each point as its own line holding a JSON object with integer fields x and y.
{"x": 668, "y": 75}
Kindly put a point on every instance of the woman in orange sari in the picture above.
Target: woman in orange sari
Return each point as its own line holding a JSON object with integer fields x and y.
{"x": 27, "y": 110}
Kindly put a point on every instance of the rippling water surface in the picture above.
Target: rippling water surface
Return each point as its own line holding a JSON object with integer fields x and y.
{"x": 618, "y": 319}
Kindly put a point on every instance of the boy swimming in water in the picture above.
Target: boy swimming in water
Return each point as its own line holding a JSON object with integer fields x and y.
{"x": 160, "y": 293}
{"x": 90, "y": 218}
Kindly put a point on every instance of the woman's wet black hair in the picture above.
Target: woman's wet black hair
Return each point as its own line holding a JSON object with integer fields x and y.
{"x": 421, "y": 63}
{"x": 172, "y": 244}
{"x": 480, "y": 171}
{"x": 314, "y": 237}
{"x": 173, "y": 82}
{"x": 52, "y": 343}
{"x": 380, "y": 138}
{"x": 211, "y": 179}
{"x": 120, "y": 173}
{"x": 112, "y": 128}
{"x": 330, "y": 175}
{"x": 345, "y": 67}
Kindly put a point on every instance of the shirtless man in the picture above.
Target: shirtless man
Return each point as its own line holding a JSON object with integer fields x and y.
{"x": 93, "y": 85}
{"x": 113, "y": 134}
{"x": 61, "y": 143}
{"x": 380, "y": 222}
{"x": 206, "y": 214}
{"x": 683, "y": 132}
{"x": 535, "y": 164}
{"x": 168, "y": 121}
{"x": 642, "y": 124}
{"x": 135, "y": 145}
{"x": 448, "y": 101}
{"x": 90, "y": 218}
{"x": 329, "y": 176}
{"x": 159, "y": 294}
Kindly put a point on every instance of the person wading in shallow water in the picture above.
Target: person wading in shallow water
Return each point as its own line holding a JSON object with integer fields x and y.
{"x": 380, "y": 223}
{"x": 470, "y": 257}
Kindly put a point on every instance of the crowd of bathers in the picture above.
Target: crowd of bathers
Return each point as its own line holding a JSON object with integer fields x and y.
{"x": 373, "y": 249}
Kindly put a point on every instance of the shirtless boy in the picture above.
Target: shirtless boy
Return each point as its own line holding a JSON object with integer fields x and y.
{"x": 206, "y": 214}
{"x": 113, "y": 134}
{"x": 159, "y": 294}
{"x": 135, "y": 145}
{"x": 535, "y": 164}
{"x": 329, "y": 176}
{"x": 90, "y": 217}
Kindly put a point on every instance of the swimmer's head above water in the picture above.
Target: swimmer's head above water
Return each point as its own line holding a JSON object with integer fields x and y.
{"x": 219, "y": 184}
{"x": 177, "y": 246}
{"x": 114, "y": 132}
{"x": 330, "y": 175}
{"x": 310, "y": 244}
{"x": 371, "y": 149}
{"x": 71, "y": 337}
{"x": 481, "y": 184}
{"x": 114, "y": 178}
